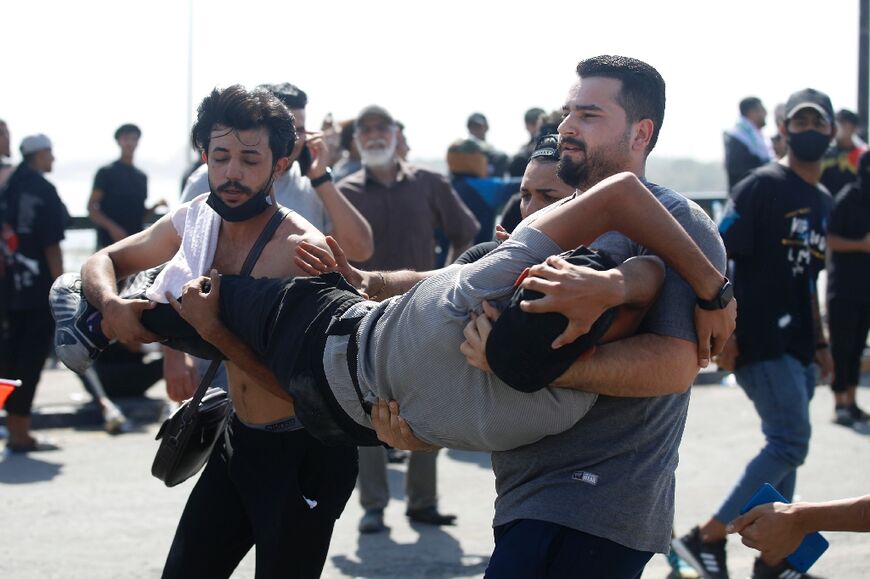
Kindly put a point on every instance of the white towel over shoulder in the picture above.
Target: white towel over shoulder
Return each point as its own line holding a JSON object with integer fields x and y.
{"x": 198, "y": 226}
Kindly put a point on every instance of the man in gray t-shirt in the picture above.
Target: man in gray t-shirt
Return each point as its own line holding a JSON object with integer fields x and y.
{"x": 598, "y": 499}
{"x": 335, "y": 352}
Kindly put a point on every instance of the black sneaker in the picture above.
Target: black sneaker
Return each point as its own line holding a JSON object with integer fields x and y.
{"x": 76, "y": 344}
{"x": 782, "y": 571}
{"x": 858, "y": 415}
{"x": 708, "y": 558}
{"x": 843, "y": 416}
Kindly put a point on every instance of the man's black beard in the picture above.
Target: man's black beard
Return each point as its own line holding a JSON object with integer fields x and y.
{"x": 571, "y": 172}
{"x": 596, "y": 165}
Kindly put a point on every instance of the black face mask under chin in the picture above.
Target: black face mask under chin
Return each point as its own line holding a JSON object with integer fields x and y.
{"x": 808, "y": 146}
{"x": 258, "y": 203}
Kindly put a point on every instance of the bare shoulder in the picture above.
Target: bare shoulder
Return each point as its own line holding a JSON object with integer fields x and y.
{"x": 277, "y": 258}
{"x": 296, "y": 228}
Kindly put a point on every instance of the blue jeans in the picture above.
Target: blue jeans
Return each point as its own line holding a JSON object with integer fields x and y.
{"x": 781, "y": 390}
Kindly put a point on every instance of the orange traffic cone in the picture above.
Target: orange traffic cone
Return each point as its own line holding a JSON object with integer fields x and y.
{"x": 6, "y": 388}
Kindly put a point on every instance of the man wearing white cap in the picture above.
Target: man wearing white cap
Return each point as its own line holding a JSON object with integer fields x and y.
{"x": 33, "y": 221}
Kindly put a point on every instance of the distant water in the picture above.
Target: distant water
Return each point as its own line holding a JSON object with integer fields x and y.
{"x": 76, "y": 192}
{"x": 80, "y": 244}
{"x": 74, "y": 183}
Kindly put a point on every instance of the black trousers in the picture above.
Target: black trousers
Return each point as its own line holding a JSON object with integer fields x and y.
{"x": 129, "y": 380}
{"x": 540, "y": 550}
{"x": 25, "y": 351}
{"x": 849, "y": 322}
{"x": 257, "y": 489}
{"x": 124, "y": 380}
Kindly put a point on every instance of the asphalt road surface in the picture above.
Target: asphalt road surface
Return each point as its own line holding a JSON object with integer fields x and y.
{"x": 92, "y": 509}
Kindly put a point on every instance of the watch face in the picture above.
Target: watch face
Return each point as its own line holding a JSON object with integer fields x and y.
{"x": 726, "y": 295}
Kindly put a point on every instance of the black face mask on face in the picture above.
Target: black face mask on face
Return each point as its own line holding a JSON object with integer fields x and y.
{"x": 258, "y": 203}
{"x": 809, "y": 145}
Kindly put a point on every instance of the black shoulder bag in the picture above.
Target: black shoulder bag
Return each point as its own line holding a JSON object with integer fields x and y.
{"x": 188, "y": 436}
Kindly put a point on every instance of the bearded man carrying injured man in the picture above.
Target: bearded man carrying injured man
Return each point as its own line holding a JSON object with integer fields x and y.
{"x": 335, "y": 352}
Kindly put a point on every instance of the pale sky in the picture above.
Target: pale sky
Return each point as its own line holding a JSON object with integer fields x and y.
{"x": 77, "y": 70}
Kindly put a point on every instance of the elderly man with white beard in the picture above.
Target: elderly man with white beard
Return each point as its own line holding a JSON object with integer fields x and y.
{"x": 404, "y": 205}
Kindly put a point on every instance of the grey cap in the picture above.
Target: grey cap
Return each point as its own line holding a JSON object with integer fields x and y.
{"x": 33, "y": 143}
{"x": 375, "y": 111}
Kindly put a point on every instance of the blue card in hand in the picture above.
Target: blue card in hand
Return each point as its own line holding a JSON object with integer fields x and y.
{"x": 813, "y": 545}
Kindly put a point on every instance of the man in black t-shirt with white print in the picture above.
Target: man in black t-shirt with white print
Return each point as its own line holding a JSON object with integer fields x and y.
{"x": 32, "y": 225}
{"x": 774, "y": 230}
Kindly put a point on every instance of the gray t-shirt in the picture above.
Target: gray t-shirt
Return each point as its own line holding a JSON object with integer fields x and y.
{"x": 409, "y": 352}
{"x": 612, "y": 474}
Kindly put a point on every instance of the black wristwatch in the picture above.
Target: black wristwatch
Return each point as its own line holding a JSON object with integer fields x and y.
{"x": 721, "y": 301}
{"x": 318, "y": 181}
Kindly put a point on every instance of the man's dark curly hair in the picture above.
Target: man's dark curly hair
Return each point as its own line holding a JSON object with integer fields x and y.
{"x": 643, "y": 89}
{"x": 238, "y": 109}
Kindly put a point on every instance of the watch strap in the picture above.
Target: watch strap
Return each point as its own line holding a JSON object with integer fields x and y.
{"x": 722, "y": 299}
{"x": 318, "y": 181}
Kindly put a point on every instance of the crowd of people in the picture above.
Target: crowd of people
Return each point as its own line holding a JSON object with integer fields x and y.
{"x": 575, "y": 339}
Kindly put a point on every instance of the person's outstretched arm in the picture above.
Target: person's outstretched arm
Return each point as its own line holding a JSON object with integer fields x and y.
{"x": 622, "y": 203}
{"x": 632, "y": 287}
{"x": 377, "y": 285}
{"x": 101, "y": 272}
{"x": 776, "y": 529}
{"x": 348, "y": 225}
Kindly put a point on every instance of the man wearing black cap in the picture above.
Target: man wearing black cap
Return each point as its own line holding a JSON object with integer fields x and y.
{"x": 774, "y": 230}
{"x": 404, "y": 205}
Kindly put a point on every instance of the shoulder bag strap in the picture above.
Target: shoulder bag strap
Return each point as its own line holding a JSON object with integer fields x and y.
{"x": 267, "y": 233}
